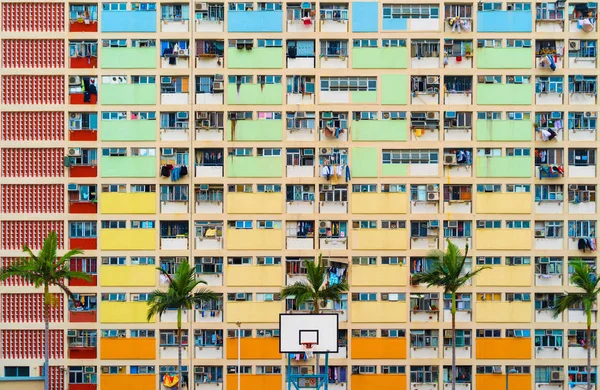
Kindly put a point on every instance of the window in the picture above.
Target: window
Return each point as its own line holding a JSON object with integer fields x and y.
{"x": 518, "y": 333}
{"x": 482, "y": 297}
{"x": 268, "y": 188}
{"x": 114, "y": 152}
{"x": 393, "y": 188}
{"x": 362, "y": 297}
{"x": 517, "y": 224}
{"x": 543, "y": 374}
{"x": 464, "y": 11}
{"x": 518, "y": 43}
{"x": 334, "y": 48}
{"x": 514, "y": 260}
{"x": 82, "y": 375}
{"x": 113, "y": 260}
{"x": 174, "y": 193}
{"x": 269, "y": 6}
{"x": 113, "y": 297}
{"x": 334, "y": 12}
{"x": 364, "y": 188}
{"x": 488, "y": 369}
{"x": 269, "y": 260}
{"x": 582, "y": 193}
{"x": 518, "y": 151}
{"x": 481, "y": 260}
{"x": 546, "y": 301}
{"x": 393, "y": 297}
{"x": 142, "y": 370}
{"x": 496, "y": 224}
{"x": 268, "y": 152}
{"x": 582, "y": 157}
{"x": 551, "y": 84}
{"x": 142, "y": 333}
{"x": 365, "y": 43}
{"x": 364, "y": 224}
{"x": 337, "y": 193}
{"x": 490, "y": 115}
{"x": 457, "y": 229}
{"x": 82, "y": 229}
{"x": 424, "y": 338}
{"x": 582, "y": 84}
{"x": 393, "y": 224}
{"x": 385, "y": 260}
{"x": 518, "y": 297}
{"x": 393, "y": 369}
{"x": 463, "y": 338}
{"x": 268, "y": 224}
{"x": 410, "y": 11}
{"x": 143, "y": 224}
{"x": 239, "y": 260}
{"x": 424, "y": 374}
{"x": 143, "y": 80}
{"x": 16, "y": 371}
{"x": 175, "y": 12}
{"x": 414, "y": 156}
{"x": 364, "y": 333}
{"x": 587, "y": 49}
{"x": 489, "y": 333}
{"x": 348, "y": 83}
{"x": 267, "y": 297}
{"x": 86, "y": 157}
{"x": 582, "y": 121}
{"x": 548, "y": 265}
{"x": 548, "y": 192}
{"x": 425, "y": 48}
{"x": 113, "y": 225}
{"x": 364, "y": 370}
{"x": 393, "y": 333}
{"x": 266, "y": 370}
{"x": 168, "y": 338}
{"x": 579, "y": 229}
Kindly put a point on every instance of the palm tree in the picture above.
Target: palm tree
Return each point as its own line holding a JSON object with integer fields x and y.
{"x": 314, "y": 290}
{"x": 585, "y": 279}
{"x": 44, "y": 270}
{"x": 182, "y": 294}
{"x": 448, "y": 273}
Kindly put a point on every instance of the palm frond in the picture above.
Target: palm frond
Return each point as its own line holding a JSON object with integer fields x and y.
{"x": 566, "y": 301}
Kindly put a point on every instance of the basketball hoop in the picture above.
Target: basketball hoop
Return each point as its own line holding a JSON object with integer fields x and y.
{"x": 307, "y": 346}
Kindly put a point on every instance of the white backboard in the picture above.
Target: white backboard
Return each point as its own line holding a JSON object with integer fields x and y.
{"x": 320, "y": 329}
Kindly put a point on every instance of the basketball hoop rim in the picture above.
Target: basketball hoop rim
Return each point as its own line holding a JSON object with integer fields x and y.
{"x": 307, "y": 346}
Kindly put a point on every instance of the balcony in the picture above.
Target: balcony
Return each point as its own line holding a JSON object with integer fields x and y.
{"x": 83, "y": 18}
{"x": 254, "y": 203}
{"x": 127, "y": 203}
{"x": 128, "y": 58}
{"x": 253, "y": 348}
{"x": 379, "y": 203}
{"x": 255, "y": 130}
{"x": 127, "y": 239}
{"x": 504, "y": 166}
{"x": 127, "y": 275}
{"x": 128, "y": 21}
{"x": 254, "y": 239}
{"x": 379, "y": 239}
{"x": 504, "y": 58}
{"x": 128, "y": 94}
{"x": 378, "y": 381}
{"x": 503, "y": 203}
{"x": 379, "y": 130}
{"x": 254, "y": 21}
{"x": 127, "y": 348}
{"x": 253, "y": 312}
{"x": 257, "y": 58}
{"x": 255, "y": 94}
{"x": 128, "y": 130}
{"x": 504, "y": 94}
{"x": 503, "y": 130}
{"x": 254, "y": 166}
{"x": 123, "y": 312}
{"x": 379, "y": 275}
{"x": 503, "y": 312}
{"x": 379, "y": 58}
{"x": 254, "y": 275}
{"x": 249, "y": 381}
{"x": 128, "y": 166}
{"x": 374, "y": 312}
{"x": 378, "y": 348}
{"x": 128, "y": 381}
{"x": 503, "y": 239}
{"x": 504, "y": 21}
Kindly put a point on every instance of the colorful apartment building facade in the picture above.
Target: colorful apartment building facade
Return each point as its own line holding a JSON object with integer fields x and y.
{"x": 246, "y": 137}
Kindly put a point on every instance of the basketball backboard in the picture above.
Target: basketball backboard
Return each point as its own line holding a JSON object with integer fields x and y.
{"x": 320, "y": 330}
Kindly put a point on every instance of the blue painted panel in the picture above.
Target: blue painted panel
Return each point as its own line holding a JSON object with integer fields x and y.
{"x": 395, "y": 24}
{"x": 128, "y": 21}
{"x": 255, "y": 21}
{"x": 504, "y": 21}
{"x": 365, "y": 17}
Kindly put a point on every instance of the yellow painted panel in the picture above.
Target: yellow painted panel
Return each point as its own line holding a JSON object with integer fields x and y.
{"x": 128, "y": 381}
{"x": 255, "y": 382}
{"x": 379, "y": 239}
{"x": 506, "y": 275}
{"x": 130, "y": 348}
{"x": 503, "y": 239}
{"x": 254, "y": 275}
{"x": 379, "y": 312}
{"x": 378, "y": 348}
{"x": 127, "y": 203}
{"x": 259, "y": 239}
{"x": 254, "y": 348}
{"x": 503, "y": 348}
{"x": 23, "y": 383}
{"x": 378, "y": 382}
{"x": 127, "y": 275}
{"x": 378, "y": 275}
{"x": 127, "y": 239}
{"x": 504, "y": 203}
{"x": 123, "y": 312}
{"x": 253, "y": 311}
{"x": 254, "y": 203}
{"x": 379, "y": 203}
{"x": 498, "y": 382}
{"x": 503, "y": 312}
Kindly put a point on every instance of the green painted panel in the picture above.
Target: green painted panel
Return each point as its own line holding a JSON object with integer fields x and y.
{"x": 504, "y": 94}
{"x": 255, "y": 94}
{"x": 128, "y": 166}
{"x": 257, "y": 58}
{"x": 504, "y": 58}
{"x": 364, "y": 162}
{"x": 254, "y": 166}
{"x": 367, "y": 97}
{"x": 379, "y": 58}
{"x": 128, "y": 58}
{"x": 394, "y": 170}
{"x": 129, "y": 130}
{"x": 256, "y": 130}
{"x": 504, "y": 166}
{"x": 379, "y": 130}
{"x": 504, "y": 130}
{"x": 127, "y": 94}
{"x": 394, "y": 89}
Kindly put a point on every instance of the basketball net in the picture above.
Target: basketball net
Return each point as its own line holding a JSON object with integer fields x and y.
{"x": 308, "y": 350}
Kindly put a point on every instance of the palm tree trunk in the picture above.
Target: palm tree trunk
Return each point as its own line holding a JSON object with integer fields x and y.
{"x": 317, "y": 311}
{"x": 46, "y": 338}
{"x": 453, "y": 312}
{"x": 589, "y": 345}
{"x": 179, "y": 347}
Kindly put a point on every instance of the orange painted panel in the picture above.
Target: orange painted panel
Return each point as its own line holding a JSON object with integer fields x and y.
{"x": 254, "y": 348}
{"x": 128, "y": 381}
{"x": 378, "y": 348}
{"x": 255, "y": 382}
{"x": 498, "y": 381}
{"x": 503, "y": 348}
{"x": 132, "y": 348}
{"x": 379, "y": 382}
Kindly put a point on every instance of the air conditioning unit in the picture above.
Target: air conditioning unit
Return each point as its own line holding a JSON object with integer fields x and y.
{"x": 589, "y": 114}
{"x": 452, "y": 224}
{"x": 325, "y": 225}
{"x": 201, "y": 7}
{"x": 105, "y": 370}
{"x": 72, "y": 187}
{"x": 433, "y": 196}
{"x": 433, "y": 115}
{"x": 496, "y": 370}
{"x": 574, "y": 44}
{"x": 434, "y": 224}
{"x": 540, "y": 234}
{"x": 183, "y": 52}
{"x": 199, "y": 370}
{"x": 327, "y": 187}
{"x": 433, "y": 80}
{"x": 135, "y": 298}
{"x": 202, "y": 115}
{"x": 167, "y": 151}
{"x": 510, "y": 79}
{"x": 572, "y": 187}
{"x": 74, "y": 152}
{"x": 305, "y": 370}
{"x": 480, "y": 224}
{"x": 481, "y": 79}
{"x": 240, "y": 296}
{"x": 450, "y": 114}
{"x": 74, "y": 80}
{"x": 219, "y": 77}
{"x": 450, "y": 159}
{"x": 557, "y": 376}
{"x": 217, "y": 85}
{"x": 166, "y": 80}
{"x": 432, "y": 188}
{"x": 182, "y": 115}
{"x": 71, "y": 333}
{"x": 325, "y": 150}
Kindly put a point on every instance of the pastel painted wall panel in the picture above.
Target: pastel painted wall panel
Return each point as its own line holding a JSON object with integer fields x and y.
{"x": 394, "y": 170}
{"x": 379, "y": 130}
{"x": 365, "y": 17}
{"x": 504, "y": 58}
{"x": 394, "y": 89}
{"x": 380, "y": 239}
{"x": 255, "y": 130}
{"x": 504, "y": 166}
{"x": 254, "y": 166}
{"x": 250, "y": 312}
{"x": 116, "y": 348}
{"x": 128, "y": 130}
{"x": 504, "y": 203}
{"x": 378, "y": 381}
{"x": 504, "y": 94}
{"x": 255, "y": 21}
{"x": 504, "y": 130}
{"x": 503, "y": 312}
{"x": 379, "y": 57}
{"x": 128, "y": 166}
{"x": 257, "y": 239}
{"x": 363, "y": 97}
{"x": 253, "y": 348}
{"x": 128, "y": 58}
{"x": 498, "y": 382}
{"x": 127, "y": 381}
{"x": 254, "y": 203}
{"x": 378, "y": 276}
{"x": 127, "y": 239}
{"x": 503, "y": 239}
{"x": 378, "y": 348}
{"x": 504, "y": 21}
{"x": 374, "y": 312}
{"x": 127, "y": 94}
{"x": 506, "y": 276}
{"x": 365, "y": 162}
{"x": 127, "y": 203}
{"x": 257, "y": 58}
{"x": 128, "y": 21}
{"x": 254, "y": 275}
{"x": 123, "y": 312}
{"x": 395, "y": 24}
{"x": 255, "y": 94}
{"x": 127, "y": 275}
{"x": 518, "y": 348}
